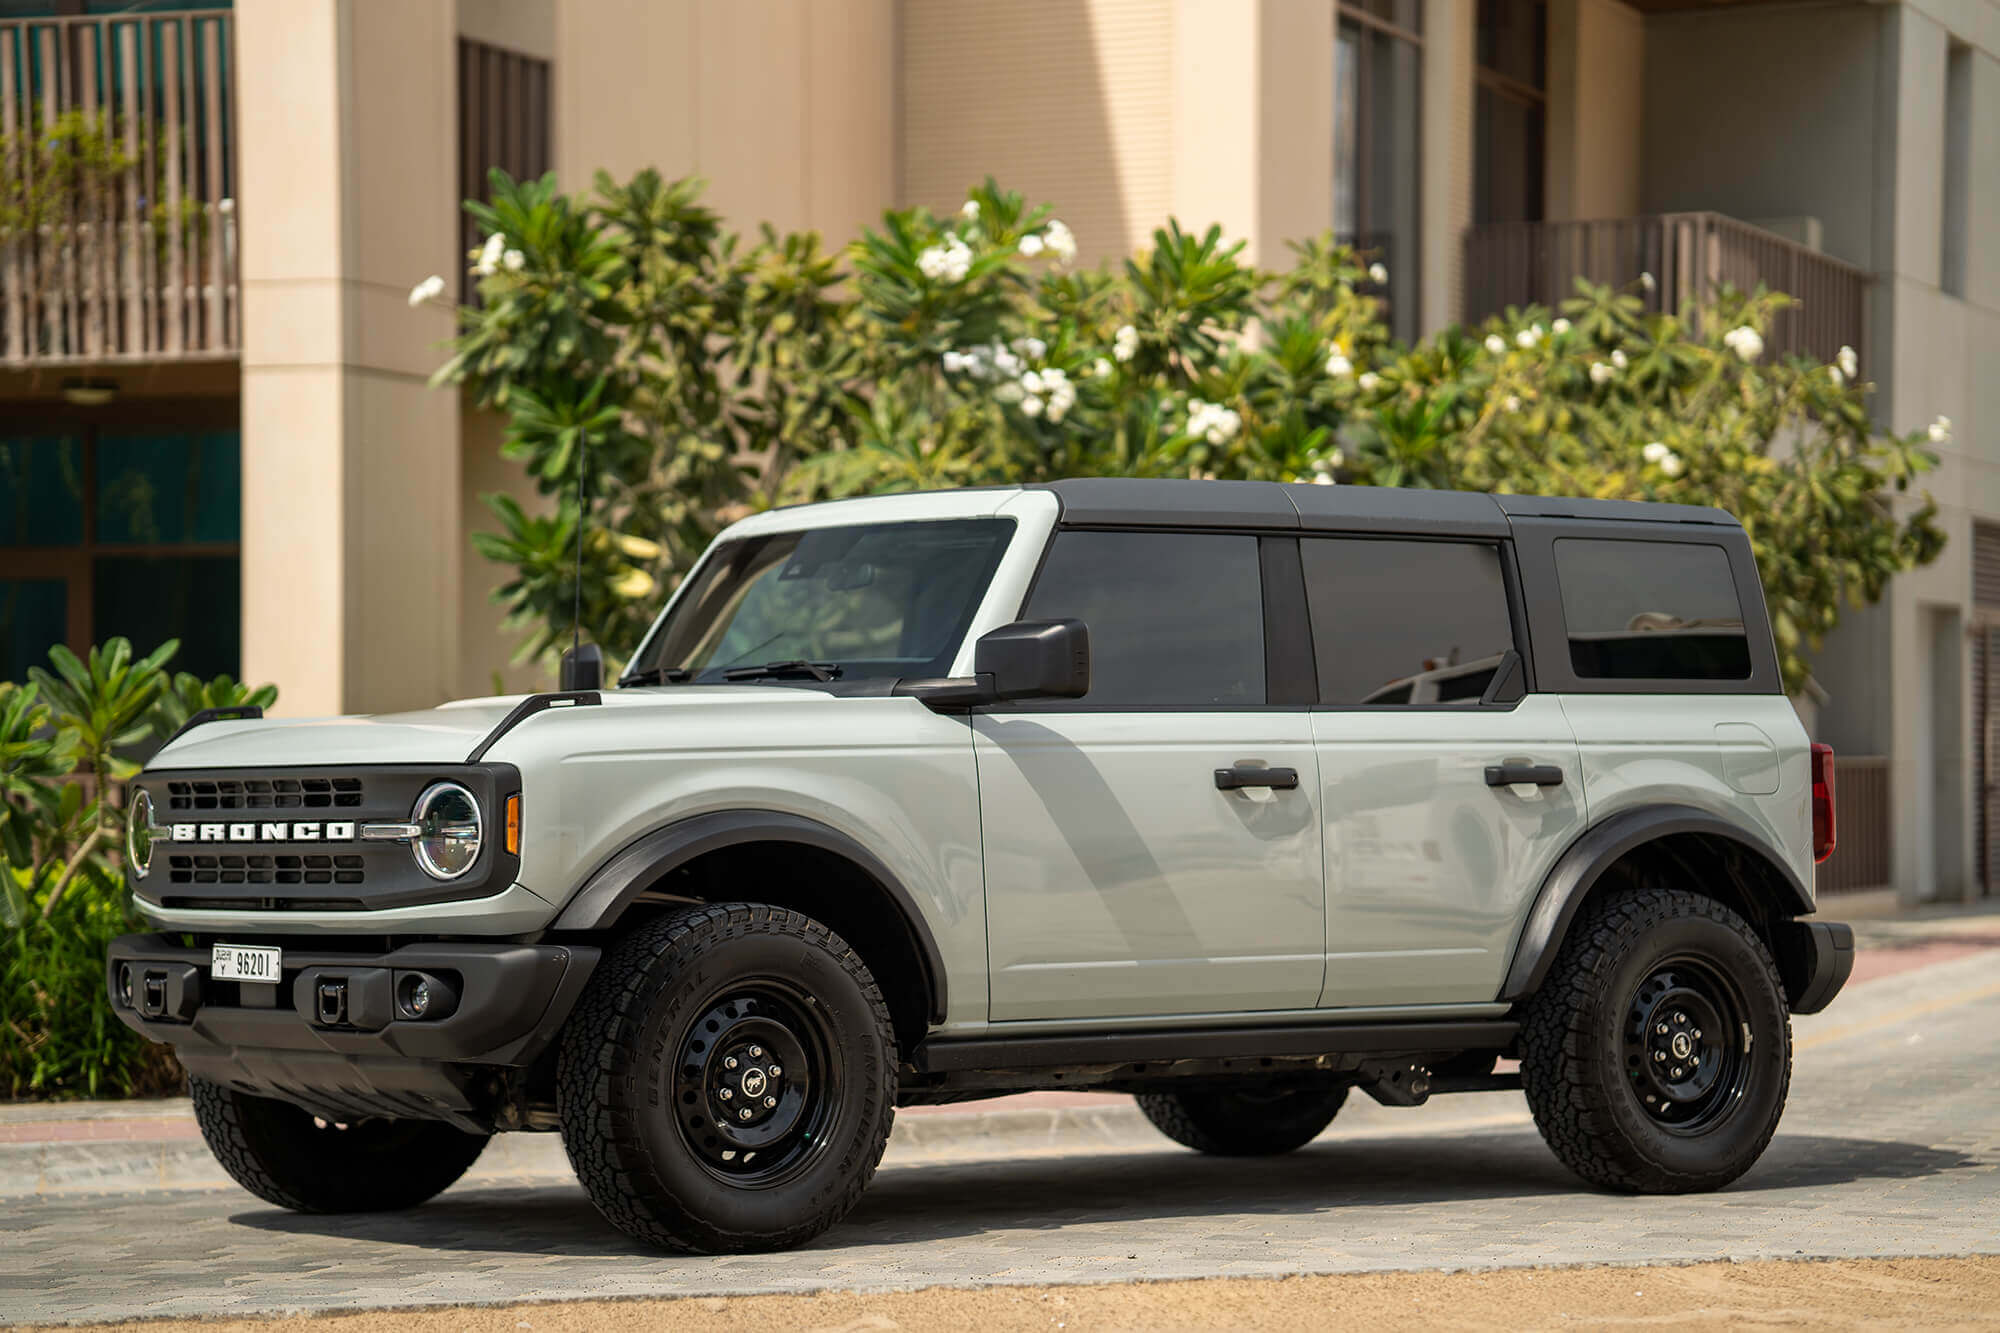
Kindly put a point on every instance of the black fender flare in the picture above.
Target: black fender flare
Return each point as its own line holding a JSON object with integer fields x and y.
{"x": 1577, "y": 871}
{"x": 639, "y": 864}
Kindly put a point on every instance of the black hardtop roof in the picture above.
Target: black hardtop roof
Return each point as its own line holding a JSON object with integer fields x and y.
{"x": 1165, "y": 502}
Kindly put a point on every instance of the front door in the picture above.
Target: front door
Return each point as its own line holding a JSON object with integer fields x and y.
{"x": 1123, "y": 875}
{"x": 1432, "y": 855}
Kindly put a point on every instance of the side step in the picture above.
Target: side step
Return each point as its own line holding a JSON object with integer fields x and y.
{"x": 1156, "y": 1046}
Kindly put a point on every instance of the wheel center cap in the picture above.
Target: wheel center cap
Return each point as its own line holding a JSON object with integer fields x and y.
{"x": 753, "y": 1082}
{"x": 1683, "y": 1046}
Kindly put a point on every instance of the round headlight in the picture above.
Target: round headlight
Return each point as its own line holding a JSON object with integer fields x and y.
{"x": 139, "y": 834}
{"x": 447, "y": 820}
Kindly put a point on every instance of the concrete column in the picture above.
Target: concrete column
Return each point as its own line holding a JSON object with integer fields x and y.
{"x": 1450, "y": 34}
{"x": 352, "y": 551}
{"x": 1597, "y": 59}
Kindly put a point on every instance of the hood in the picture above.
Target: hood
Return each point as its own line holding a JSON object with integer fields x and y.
{"x": 447, "y": 734}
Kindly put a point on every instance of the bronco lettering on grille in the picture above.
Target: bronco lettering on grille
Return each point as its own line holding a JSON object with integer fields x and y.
{"x": 266, "y": 831}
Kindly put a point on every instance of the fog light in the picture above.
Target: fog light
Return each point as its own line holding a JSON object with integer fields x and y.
{"x": 125, "y": 984}
{"x": 417, "y": 996}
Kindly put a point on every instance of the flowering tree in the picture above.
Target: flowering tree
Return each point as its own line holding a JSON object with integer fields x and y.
{"x": 707, "y": 379}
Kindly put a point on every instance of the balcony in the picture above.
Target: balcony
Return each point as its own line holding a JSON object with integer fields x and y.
{"x": 1691, "y": 255}
{"x": 118, "y": 224}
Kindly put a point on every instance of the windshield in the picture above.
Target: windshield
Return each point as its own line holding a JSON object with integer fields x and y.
{"x": 878, "y": 600}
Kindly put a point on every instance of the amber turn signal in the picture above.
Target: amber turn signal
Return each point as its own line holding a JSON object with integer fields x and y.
{"x": 514, "y": 824}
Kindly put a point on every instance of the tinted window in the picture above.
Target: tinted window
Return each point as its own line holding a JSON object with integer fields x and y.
{"x": 875, "y": 600}
{"x": 1174, "y": 619}
{"x": 1651, "y": 611}
{"x": 1405, "y": 622}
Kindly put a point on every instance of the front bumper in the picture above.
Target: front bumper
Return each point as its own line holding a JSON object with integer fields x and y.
{"x": 367, "y": 1057}
{"x": 1816, "y": 958}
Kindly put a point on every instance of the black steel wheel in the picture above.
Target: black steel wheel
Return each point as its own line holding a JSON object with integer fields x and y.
{"x": 1658, "y": 1053}
{"x": 1251, "y": 1120}
{"x": 728, "y": 1080}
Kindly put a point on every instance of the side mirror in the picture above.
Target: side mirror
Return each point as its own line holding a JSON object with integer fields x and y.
{"x": 1034, "y": 659}
{"x": 583, "y": 668}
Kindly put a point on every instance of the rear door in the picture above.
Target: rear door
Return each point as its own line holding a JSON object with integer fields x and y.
{"x": 1432, "y": 854}
{"x": 1123, "y": 877}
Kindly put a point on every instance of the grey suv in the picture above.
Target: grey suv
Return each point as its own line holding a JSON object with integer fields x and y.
{"x": 1234, "y": 796}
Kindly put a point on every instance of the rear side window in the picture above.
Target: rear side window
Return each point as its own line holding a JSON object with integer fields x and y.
{"x": 1400, "y": 622}
{"x": 1639, "y": 610}
{"x": 1176, "y": 620}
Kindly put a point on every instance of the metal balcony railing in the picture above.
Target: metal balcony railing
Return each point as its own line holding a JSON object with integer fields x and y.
{"x": 1690, "y": 255}
{"x": 118, "y": 218}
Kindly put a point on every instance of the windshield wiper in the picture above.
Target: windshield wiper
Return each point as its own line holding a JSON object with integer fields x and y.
{"x": 796, "y": 669}
{"x": 659, "y": 675}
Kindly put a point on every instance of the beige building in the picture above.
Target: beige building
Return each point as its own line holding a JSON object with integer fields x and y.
{"x": 214, "y": 412}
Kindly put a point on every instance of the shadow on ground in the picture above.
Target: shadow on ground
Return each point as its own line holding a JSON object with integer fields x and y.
{"x": 922, "y": 1203}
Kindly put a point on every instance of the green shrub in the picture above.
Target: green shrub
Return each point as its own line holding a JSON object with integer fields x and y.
{"x": 68, "y": 740}
{"x": 693, "y": 378}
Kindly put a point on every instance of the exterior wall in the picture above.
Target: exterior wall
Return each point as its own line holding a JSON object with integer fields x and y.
{"x": 787, "y": 107}
{"x": 1597, "y": 52}
{"x": 350, "y": 493}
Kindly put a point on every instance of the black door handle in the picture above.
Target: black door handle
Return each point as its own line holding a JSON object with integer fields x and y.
{"x": 1506, "y": 775}
{"x": 1250, "y": 775}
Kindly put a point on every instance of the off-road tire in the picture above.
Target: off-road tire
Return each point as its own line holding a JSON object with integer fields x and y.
{"x": 1243, "y": 1122}
{"x": 1584, "y": 1071}
{"x": 286, "y": 1155}
{"x": 623, "y": 1063}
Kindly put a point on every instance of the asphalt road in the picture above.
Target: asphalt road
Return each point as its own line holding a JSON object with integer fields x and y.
{"x": 1890, "y": 1148}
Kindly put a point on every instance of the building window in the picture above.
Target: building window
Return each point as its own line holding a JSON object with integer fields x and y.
{"x": 1957, "y": 167}
{"x": 1377, "y": 62}
{"x": 503, "y": 121}
{"x": 1511, "y": 113}
{"x": 120, "y": 530}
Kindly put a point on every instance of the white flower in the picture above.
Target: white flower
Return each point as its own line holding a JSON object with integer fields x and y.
{"x": 1061, "y": 240}
{"x": 1601, "y": 372}
{"x": 1032, "y": 348}
{"x": 1368, "y": 381}
{"x": 1032, "y": 382}
{"x": 1618, "y": 357}
{"x": 513, "y": 261}
{"x": 1646, "y": 281}
{"x": 1496, "y": 344}
{"x": 1940, "y": 430}
{"x": 1745, "y": 341}
{"x": 1100, "y": 367}
{"x": 1834, "y": 373}
{"x": 1378, "y": 273}
{"x": 428, "y": 290}
{"x": 1031, "y": 406}
{"x": 1655, "y": 451}
{"x": 955, "y": 362}
{"x": 1850, "y": 364}
{"x": 1336, "y": 364}
{"x": 1510, "y": 403}
{"x": 1212, "y": 421}
{"x": 1060, "y": 392}
{"x": 225, "y": 206}
{"x": 1323, "y": 478}
{"x": 969, "y": 210}
{"x": 1560, "y": 326}
{"x": 1030, "y": 246}
{"x": 948, "y": 261}
{"x": 1005, "y": 363}
{"x": 1528, "y": 337}
{"x": 1009, "y": 392}
{"x": 1125, "y": 342}
{"x": 1671, "y": 465}
{"x": 489, "y": 255}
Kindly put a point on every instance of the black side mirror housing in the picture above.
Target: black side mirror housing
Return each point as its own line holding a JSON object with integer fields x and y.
{"x": 1029, "y": 659}
{"x": 1035, "y": 659}
{"x": 582, "y": 668}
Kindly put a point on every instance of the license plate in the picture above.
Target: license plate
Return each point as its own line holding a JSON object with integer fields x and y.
{"x": 240, "y": 962}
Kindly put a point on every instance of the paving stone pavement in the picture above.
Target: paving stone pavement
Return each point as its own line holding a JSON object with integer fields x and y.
{"x": 1891, "y": 1146}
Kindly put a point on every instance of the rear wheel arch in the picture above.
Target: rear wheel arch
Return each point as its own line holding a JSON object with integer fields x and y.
{"x": 787, "y": 861}
{"x": 1664, "y": 843}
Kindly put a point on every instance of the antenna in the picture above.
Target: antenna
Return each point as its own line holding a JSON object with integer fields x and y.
{"x": 581, "y": 669}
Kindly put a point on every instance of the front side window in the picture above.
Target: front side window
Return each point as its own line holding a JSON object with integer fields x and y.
{"x": 869, "y": 601}
{"x": 1403, "y": 622}
{"x": 1176, "y": 620}
{"x": 1645, "y": 610}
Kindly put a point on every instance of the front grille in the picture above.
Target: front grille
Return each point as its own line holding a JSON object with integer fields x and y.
{"x": 311, "y": 793}
{"x": 263, "y": 868}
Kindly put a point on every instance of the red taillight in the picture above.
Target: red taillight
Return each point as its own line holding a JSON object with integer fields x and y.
{"x": 1822, "y": 801}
